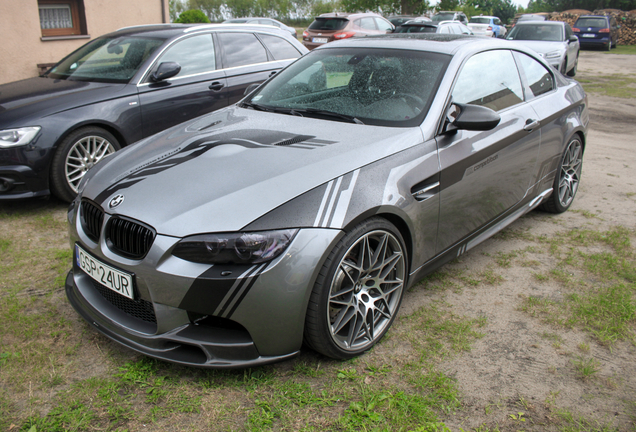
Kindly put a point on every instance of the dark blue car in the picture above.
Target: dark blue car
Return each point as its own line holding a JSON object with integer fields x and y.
{"x": 596, "y": 31}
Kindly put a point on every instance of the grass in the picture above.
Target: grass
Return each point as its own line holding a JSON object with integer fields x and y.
{"x": 57, "y": 374}
{"x": 623, "y": 49}
{"x": 620, "y": 86}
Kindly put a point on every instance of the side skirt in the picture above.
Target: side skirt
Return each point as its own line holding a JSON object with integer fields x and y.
{"x": 472, "y": 240}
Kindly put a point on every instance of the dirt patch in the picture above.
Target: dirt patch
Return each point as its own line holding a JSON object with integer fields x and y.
{"x": 522, "y": 364}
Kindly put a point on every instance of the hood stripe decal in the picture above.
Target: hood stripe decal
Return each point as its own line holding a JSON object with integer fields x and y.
{"x": 322, "y": 203}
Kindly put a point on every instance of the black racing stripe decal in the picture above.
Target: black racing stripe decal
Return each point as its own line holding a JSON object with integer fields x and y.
{"x": 247, "y": 290}
{"x": 455, "y": 173}
{"x": 245, "y": 279}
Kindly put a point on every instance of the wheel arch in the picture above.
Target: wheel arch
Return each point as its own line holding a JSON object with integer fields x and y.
{"x": 108, "y": 127}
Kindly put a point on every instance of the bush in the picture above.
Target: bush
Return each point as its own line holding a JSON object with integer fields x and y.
{"x": 192, "y": 16}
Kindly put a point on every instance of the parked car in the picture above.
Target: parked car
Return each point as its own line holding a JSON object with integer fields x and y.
{"x": 489, "y": 26}
{"x": 307, "y": 210}
{"x": 329, "y": 27}
{"x": 263, "y": 21}
{"x": 120, "y": 88}
{"x": 529, "y": 17}
{"x": 554, "y": 40}
{"x": 398, "y": 20}
{"x": 444, "y": 27}
{"x": 450, "y": 16}
{"x": 598, "y": 31}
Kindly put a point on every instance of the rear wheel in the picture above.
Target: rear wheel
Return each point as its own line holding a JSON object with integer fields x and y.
{"x": 77, "y": 153}
{"x": 566, "y": 181}
{"x": 358, "y": 291}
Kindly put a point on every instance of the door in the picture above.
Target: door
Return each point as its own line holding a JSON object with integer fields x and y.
{"x": 483, "y": 174}
{"x": 198, "y": 89}
{"x": 245, "y": 60}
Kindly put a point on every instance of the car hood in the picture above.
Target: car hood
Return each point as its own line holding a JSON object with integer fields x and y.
{"x": 23, "y": 101}
{"x": 544, "y": 47}
{"x": 222, "y": 171}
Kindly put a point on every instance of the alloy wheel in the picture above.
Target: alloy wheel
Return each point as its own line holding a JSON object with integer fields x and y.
{"x": 84, "y": 154}
{"x": 366, "y": 290}
{"x": 570, "y": 172}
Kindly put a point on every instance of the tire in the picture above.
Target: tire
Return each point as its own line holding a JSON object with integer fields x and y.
{"x": 75, "y": 155}
{"x": 369, "y": 290}
{"x": 572, "y": 72}
{"x": 566, "y": 181}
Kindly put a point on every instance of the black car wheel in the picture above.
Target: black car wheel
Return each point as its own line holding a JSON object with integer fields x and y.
{"x": 79, "y": 152}
{"x": 566, "y": 182}
{"x": 572, "y": 71}
{"x": 358, "y": 290}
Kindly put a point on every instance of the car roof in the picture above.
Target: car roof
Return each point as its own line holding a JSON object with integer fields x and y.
{"x": 431, "y": 42}
{"x": 543, "y": 23}
{"x": 167, "y": 31}
{"x": 483, "y": 16}
{"x": 345, "y": 15}
{"x": 593, "y": 16}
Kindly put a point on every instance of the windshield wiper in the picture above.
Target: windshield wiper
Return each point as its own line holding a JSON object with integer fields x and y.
{"x": 324, "y": 113}
{"x": 255, "y": 106}
{"x": 302, "y": 112}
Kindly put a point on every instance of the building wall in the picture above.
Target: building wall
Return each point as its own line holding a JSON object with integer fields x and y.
{"x": 22, "y": 49}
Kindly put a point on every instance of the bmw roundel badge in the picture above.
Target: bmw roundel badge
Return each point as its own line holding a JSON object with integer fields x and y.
{"x": 118, "y": 199}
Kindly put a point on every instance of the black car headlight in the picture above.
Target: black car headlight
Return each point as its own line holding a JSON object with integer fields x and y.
{"x": 234, "y": 248}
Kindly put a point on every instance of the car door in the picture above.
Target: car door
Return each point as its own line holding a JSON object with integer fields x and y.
{"x": 483, "y": 174}
{"x": 539, "y": 83}
{"x": 573, "y": 46}
{"x": 199, "y": 88}
{"x": 245, "y": 61}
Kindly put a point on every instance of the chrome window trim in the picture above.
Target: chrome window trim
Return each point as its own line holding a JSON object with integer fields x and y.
{"x": 144, "y": 76}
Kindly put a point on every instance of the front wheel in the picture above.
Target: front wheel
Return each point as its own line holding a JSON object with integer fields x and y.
{"x": 566, "y": 182}
{"x": 358, "y": 291}
{"x": 77, "y": 153}
{"x": 572, "y": 71}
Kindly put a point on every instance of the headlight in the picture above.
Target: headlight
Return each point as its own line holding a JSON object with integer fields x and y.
{"x": 17, "y": 137}
{"x": 553, "y": 54}
{"x": 234, "y": 248}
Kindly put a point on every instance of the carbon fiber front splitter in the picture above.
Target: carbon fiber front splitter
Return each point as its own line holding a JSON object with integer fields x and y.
{"x": 190, "y": 344}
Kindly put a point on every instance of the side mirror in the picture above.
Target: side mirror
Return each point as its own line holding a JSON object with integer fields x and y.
{"x": 250, "y": 88}
{"x": 165, "y": 70}
{"x": 573, "y": 38}
{"x": 474, "y": 117}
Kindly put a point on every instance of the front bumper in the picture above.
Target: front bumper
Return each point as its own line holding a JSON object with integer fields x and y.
{"x": 20, "y": 181}
{"x": 196, "y": 314}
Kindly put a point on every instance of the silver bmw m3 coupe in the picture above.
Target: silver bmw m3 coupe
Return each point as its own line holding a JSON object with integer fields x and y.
{"x": 303, "y": 213}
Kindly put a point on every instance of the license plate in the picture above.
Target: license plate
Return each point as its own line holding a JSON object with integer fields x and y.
{"x": 320, "y": 40}
{"x": 106, "y": 275}
{"x": 588, "y": 35}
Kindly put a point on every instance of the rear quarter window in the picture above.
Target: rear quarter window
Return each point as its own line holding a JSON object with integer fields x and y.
{"x": 279, "y": 47}
{"x": 539, "y": 78}
{"x": 241, "y": 49}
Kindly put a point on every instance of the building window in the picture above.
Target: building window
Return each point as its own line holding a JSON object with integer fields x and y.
{"x": 62, "y": 17}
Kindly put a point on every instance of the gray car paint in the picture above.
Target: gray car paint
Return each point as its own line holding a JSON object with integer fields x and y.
{"x": 328, "y": 179}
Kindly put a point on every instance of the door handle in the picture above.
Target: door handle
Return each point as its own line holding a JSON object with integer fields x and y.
{"x": 531, "y": 125}
{"x": 216, "y": 86}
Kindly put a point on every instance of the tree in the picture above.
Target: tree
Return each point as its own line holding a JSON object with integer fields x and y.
{"x": 175, "y": 8}
{"x": 405, "y": 7}
{"x": 192, "y": 16}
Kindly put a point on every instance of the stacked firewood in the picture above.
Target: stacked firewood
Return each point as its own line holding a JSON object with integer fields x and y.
{"x": 627, "y": 21}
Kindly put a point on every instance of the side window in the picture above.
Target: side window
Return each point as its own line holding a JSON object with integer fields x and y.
{"x": 195, "y": 55}
{"x": 445, "y": 29}
{"x": 497, "y": 21}
{"x": 279, "y": 47}
{"x": 383, "y": 25}
{"x": 538, "y": 77}
{"x": 367, "y": 24}
{"x": 241, "y": 49}
{"x": 568, "y": 31}
{"x": 494, "y": 87}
